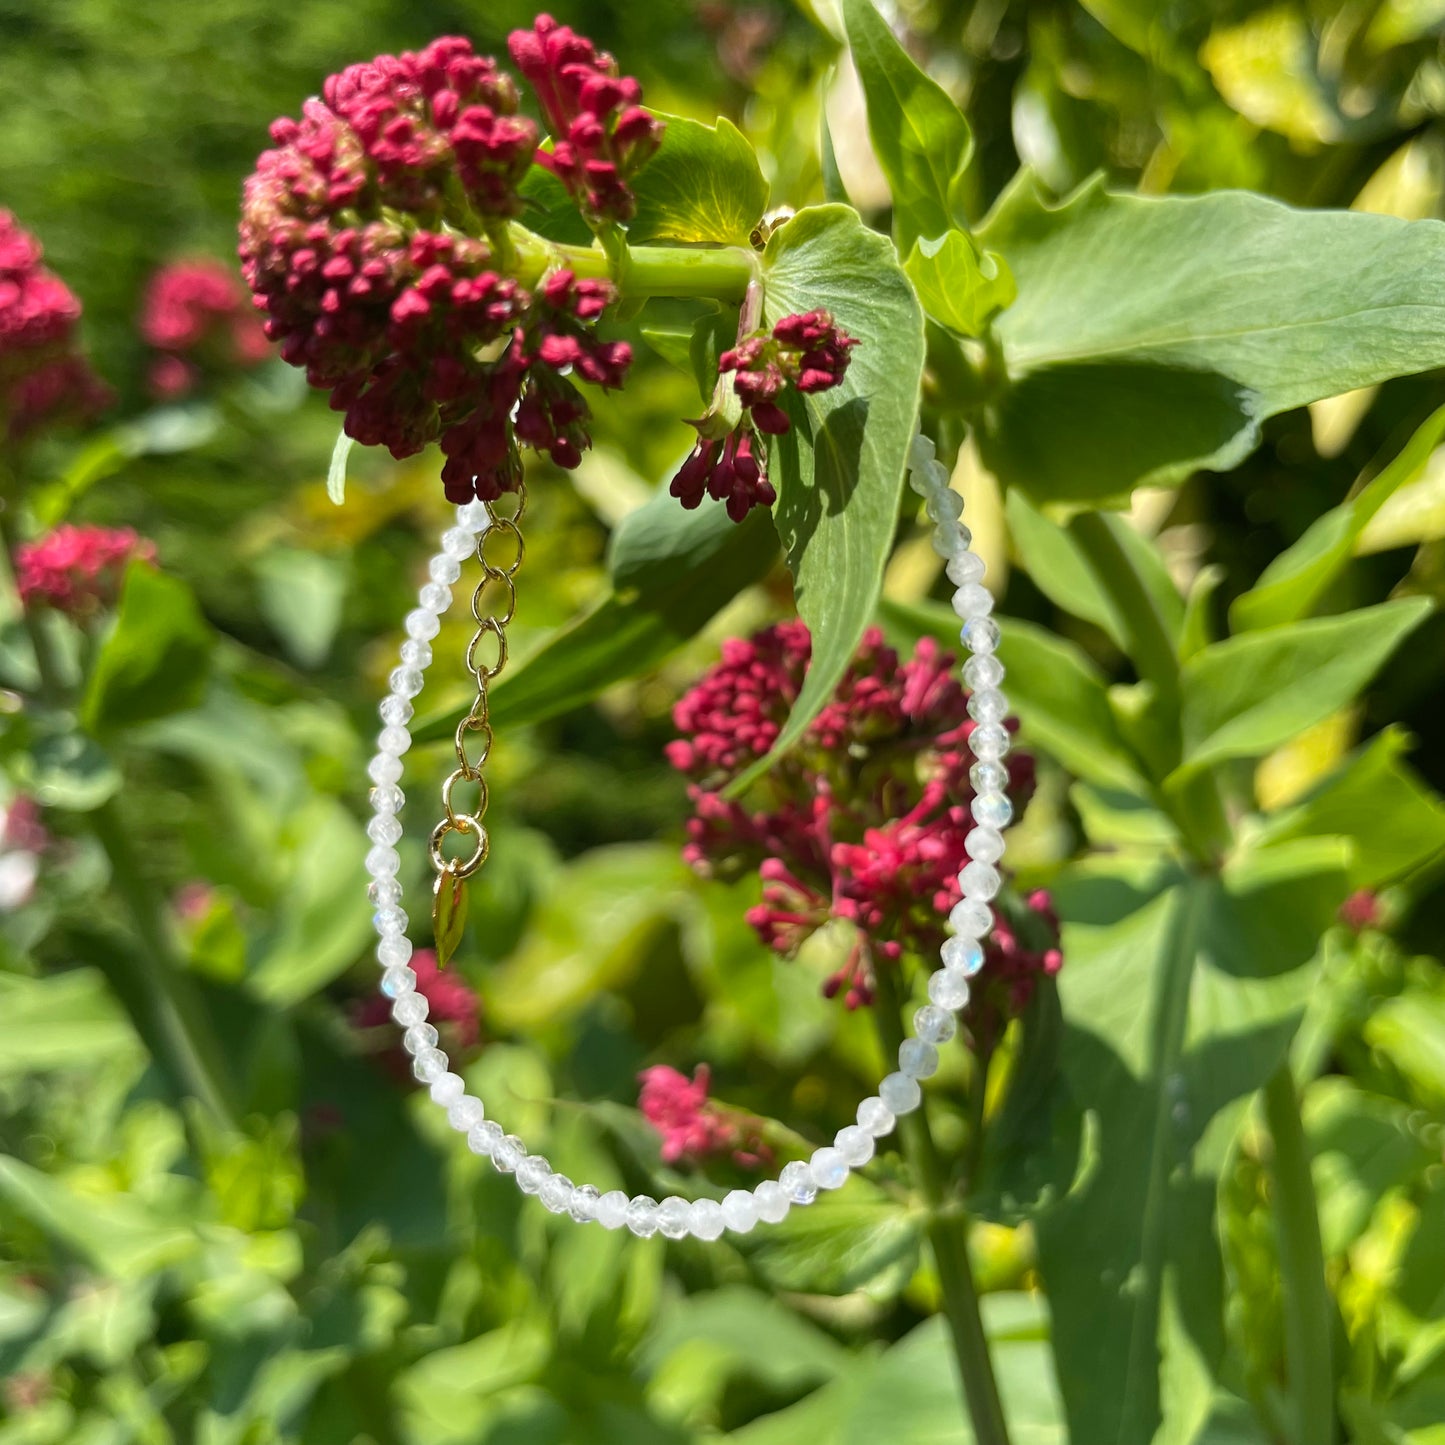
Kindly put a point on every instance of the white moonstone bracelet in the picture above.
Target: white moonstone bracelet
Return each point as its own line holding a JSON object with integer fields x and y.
{"x": 933, "y": 1024}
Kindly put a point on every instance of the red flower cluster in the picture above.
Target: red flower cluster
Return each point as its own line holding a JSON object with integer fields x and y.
{"x": 601, "y": 136}
{"x": 43, "y": 376}
{"x": 865, "y": 821}
{"x": 808, "y": 352}
{"x": 77, "y": 570}
{"x": 452, "y": 1008}
{"x": 192, "y": 311}
{"x": 693, "y": 1128}
{"x": 729, "y": 469}
{"x": 354, "y": 241}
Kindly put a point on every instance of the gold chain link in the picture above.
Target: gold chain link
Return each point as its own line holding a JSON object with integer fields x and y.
{"x": 492, "y": 623}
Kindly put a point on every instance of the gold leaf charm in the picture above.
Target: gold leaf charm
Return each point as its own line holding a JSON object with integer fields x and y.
{"x": 448, "y": 913}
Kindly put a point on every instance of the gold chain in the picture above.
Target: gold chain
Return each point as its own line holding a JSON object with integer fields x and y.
{"x": 491, "y": 622}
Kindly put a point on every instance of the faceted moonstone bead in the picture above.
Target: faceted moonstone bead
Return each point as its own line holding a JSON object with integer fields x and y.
{"x": 612, "y": 1209}
{"x": 385, "y": 828}
{"x": 950, "y": 538}
{"x": 988, "y": 705}
{"x": 410, "y": 1008}
{"x": 945, "y": 505}
{"x": 508, "y": 1153}
{"x": 466, "y": 1113}
{"x": 393, "y": 951}
{"x": 435, "y": 597}
{"x": 739, "y": 1211}
{"x": 706, "y": 1219}
{"x": 429, "y": 1065}
{"x": 875, "y": 1116}
{"x": 383, "y": 892}
{"x": 980, "y": 881}
{"x": 989, "y": 742}
{"x": 393, "y": 740}
{"x": 416, "y": 653}
{"x": 485, "y": 1137}
{"x": 405, "y": 681}
{"x": 828, "y": 1167}
{"x": 421, "y": 623}
{"x": 970, "y": 918}
{"x": 992, "y": 810}
{"x": 389, "y": 919}
{"x": 855, "y": 1144}
{"x": 920, "y": 452}
{"x": 917, "y": 1058}
{"x": 395, "y": 711}
{"x": 990, "y": 777}
{"x": 384, "y": 768}
{"x": 583, "y": 1204}
{"x": 383, "y": 862}
{"x": 557, "y": 1193}
{"x": 965, "y": 567}
{"x": 458, "y": 542}
{"x": 388, "y": 800}
{"x": 448, "y": 1089}
{"x": 444, "y": 569}
{"x": 984, "y": 844}
{"x": 982, "y": 672}
{"x": 642, "y": 1216}
{"x": 673, "y": 1215}
{"x": 418, "y": 1039}
{"x": 900, "y": 1093}
{"x": 962, "y": 955}
{"x": 397, "y": 981}
{"x": 532, "y": 1174}
{"x": 948, "y": 988}
{"x": 934, "y": 1025}
{"x": 980, "y": 634}
{"x": 473, "y": 516}
{"x": 973, "y": 600}
{"x": 798, "y": 1184}
{"x": 772, "y": 1201}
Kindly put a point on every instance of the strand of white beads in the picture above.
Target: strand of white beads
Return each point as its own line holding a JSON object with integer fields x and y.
{"x": 933, "y": 1024}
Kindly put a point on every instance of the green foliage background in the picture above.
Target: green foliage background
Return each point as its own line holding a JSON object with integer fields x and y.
{"x": 337, "y": 1268}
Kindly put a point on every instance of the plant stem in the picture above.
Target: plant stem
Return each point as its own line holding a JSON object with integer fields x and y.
{"x": 1308, "y": 1310}
{"x": 720, "y": 272}
{"x": 948, "y": 1234}
{"x": 1196, "y": 806}
{"x": 154, "y": 987}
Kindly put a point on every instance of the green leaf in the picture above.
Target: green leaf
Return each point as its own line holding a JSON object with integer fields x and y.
{"x": 301, "y": 595}
{"x": 1409, "y": 1030}
{"x": 67, "y": 770}
{"x": 336, "y": 472}
{"x": 1152, "y": 336}
{"x": 1294, "y": 581}
{"x": 919, "y": 135}
{"x": 909, "y": 1393}
{"x": 315, "y": 931}
{"x": 959, "y": 286}
{"x": 115, "y": 1233}
{"x": 1392, "y": 819}
{"x": 1243, "y": 697}
{"x": 1415, "y": 514}
{"x": 704, "y": 184}
{"x": 839, "y": 471}
{"x": 156, "y": 660}
{"x": 68, "y": 1021}
{"x": 673, "y": 570}
{"x": 1175, "y": 1012}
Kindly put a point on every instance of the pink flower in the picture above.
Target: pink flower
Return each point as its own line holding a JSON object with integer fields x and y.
{"x": 808, "y": 352}
{"x": 195, "y": 307}
{"x": 730, "y": 470}
{"x": 693, "y": 1128}
{"x": 43, "y": 377}
{"x": 1361, "y": 910}
{"x": 78, "y": 570}
{"x": 23, "y": 839}
{"x": 865, "y": 821}
{"x": 353, "y": 241}
{"x": 601, "y": 136}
